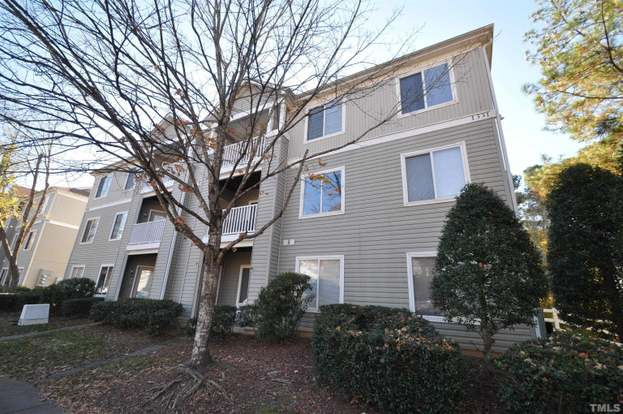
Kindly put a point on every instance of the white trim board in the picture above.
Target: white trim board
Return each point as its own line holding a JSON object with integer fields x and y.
{"x": 115, "y": 203}
{"x": 63, "y": 224}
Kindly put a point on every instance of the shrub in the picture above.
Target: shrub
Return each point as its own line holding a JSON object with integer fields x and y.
{"x": 245, "y": 316}
{"x": 387, "y": 357}
{"x": 8, "y": 302}
{"x": 487, "y": 269}
{"x": 562, "y": 375}
{"x": 152, "y": 315}
{"x": 13, "y": 302}
{"x": 78, "y": 306}
{"x": 222, "y": 323}
{"x": 54, "y": 294}
{"x": 280, "y": 306}
{"x": 76, "y": 288}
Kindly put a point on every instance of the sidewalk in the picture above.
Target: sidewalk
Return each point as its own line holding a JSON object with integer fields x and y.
{"x": 23, "y": 398}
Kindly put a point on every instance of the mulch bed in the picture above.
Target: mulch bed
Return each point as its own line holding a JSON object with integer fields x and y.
{"x": 248, "y": 377}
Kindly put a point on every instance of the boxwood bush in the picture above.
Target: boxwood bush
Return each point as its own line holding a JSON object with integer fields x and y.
{"x": 387, "y": 357}
{"x": 78, "y": 306}
{"x": 222, "y": 324}
{"x": 152, "y": 315}
{"x": 54, "y": 294}
{"x": 562, "y": 375}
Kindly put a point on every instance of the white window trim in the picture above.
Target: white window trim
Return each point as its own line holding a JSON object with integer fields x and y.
{"x": 342, "y": 169}
{"x": 151, "y": 211}
{"x": 71, "y": 272}
{"x": 125, "y": 184}
{"x": 421, "y": 69}
{"x": 124, "y": 222}
{"x": 405, "y": 190}
{"x": 341, "y": 278}
{"x": 238, "y": 304}
{"x": 333, "y": 134}
{"x": 410, "y": 256}
{"x": 95, "y": 197}
{"x": 112, "y": 265}
{"x": 97, "y": 223}
{"x": 4, "y": 274}
{"x": 30, "y": 240}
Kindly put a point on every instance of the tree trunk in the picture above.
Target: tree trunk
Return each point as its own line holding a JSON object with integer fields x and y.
{"x": 13, "y": 273}
{"x": 487, "y": 341}
{"x": 201, "y": 355}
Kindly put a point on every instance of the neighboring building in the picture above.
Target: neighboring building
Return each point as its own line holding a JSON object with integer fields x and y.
{"x": 46, "y": 248}
{"x": 367, "y": 235}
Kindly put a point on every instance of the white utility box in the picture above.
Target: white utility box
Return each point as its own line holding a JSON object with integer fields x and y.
{"x": 34, "y": 314}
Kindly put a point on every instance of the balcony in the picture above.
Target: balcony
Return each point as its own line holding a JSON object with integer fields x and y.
{"x": 239, "y": 220}
{"x": 146, "y": 235}
{"x": 232, "y": 152}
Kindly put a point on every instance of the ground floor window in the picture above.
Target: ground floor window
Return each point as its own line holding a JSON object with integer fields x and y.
{"x": 421, "y": 268}
{"x": 327, "y": 276}
{"x": 103, "y": 279}
{"x": 77, "y": 271}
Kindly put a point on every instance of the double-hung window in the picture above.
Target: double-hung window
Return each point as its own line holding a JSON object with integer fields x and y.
{"x": 90, "y": 227}
{"x": 103, "y": 186}
{"x": 435, "y": 175}
{"x": 103, "y": 279}
{"x": 327, "y": 275}
{"x": 30, "y": 239}
{"x": 118, "y": 225}
{"x": 421, "y": 269}
{"x": 130, "y": 181}
{"x": 322, "y": 193}
{"x": 325, "y": 120}
{"x": 426, "y": 89}
{"x": 77, "y": 271}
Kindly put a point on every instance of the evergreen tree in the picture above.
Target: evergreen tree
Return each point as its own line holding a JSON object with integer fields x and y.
{"x": 488, "y": 273}
{"x": 586, "y": 247}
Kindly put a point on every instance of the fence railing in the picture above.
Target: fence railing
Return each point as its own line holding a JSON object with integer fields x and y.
{"x": 147, "y": 233}
{"x": 242, "y": 151}
{"x": 240, "y": 220}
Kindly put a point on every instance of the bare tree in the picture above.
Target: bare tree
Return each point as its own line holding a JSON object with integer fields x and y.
{"x": 157, "y": 88}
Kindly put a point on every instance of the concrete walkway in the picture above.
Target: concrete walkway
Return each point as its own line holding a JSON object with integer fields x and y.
{"x": 23, "y": 398}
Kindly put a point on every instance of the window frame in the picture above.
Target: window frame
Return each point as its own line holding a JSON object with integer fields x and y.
{"x": 342, "y": 210}
{"x": 242, "y": 267}
{"x": 421, "y": 69}
{"x": 403, "y": 165}
{"x": 127, "y": 178}
{"x": 104, "y": 194}
{"x": 318, "y": 258}
{"x": 112, "y": 227}
{"x": 425, "y": 255}
{"x": 333, "y": 134}
{"x": 79, "y": 266}
{"x": 30, "y": 240}
{"x": 4, "y": 275}
{"x": 99, "y": 273}
{"x": 84, "y": 228}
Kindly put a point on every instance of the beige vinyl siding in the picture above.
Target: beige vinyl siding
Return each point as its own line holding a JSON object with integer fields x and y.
{"x": 362, "y": 113}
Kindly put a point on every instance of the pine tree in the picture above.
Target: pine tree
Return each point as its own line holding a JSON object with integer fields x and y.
{"x": 488, "y": 273}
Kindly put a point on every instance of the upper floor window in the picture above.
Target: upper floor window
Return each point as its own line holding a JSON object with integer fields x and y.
{"x": 327, "y": 275}
{"x": 130, "y": 181}
{"x": 434, "y": 175}
{"x": 322, "y": 193}
{"x": 30, "y": 239}
{"x": 324, "y": 121}
{"x": 118, "y": 225}
{"x": 425, "y": 89}
{"x": 90, "y": 227}
{"x": 103, "y": 186}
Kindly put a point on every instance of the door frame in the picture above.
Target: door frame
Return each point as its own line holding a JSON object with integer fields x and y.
{"x": 242, "y": 267}
{"x": 136, "y": 278}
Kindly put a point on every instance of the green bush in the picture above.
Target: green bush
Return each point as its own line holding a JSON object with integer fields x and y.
{"x": 245, "y": 316}
{"x": 387, "y": 357}
{"x": 78, "y": 306}
{"x": 8, "y": 302}
{"x": 76, "y": 288}
{"x": 152, "y": 315}
{"x": 222, "y": 324}
{"x": 280, "y": 306}
{"x": 13, "y": 302}
{"x": 562, "y": 375}
{"x": 54, "y": 294}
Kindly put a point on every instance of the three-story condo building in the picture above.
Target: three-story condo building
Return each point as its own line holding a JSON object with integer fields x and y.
{"x": 366, "y": 233}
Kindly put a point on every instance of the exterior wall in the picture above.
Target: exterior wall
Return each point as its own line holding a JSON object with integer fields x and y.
{"x": 228, "y": 285}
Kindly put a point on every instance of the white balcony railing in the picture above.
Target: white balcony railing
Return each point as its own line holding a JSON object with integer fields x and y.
{"x": 146, "y": 187}
{"x": 240, "y": 220}
{"x": 149, "y": 232}
{"x": 241, "y": 152}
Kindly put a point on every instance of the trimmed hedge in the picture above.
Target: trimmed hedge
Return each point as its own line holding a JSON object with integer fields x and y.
{"x": 78, "y": 306}
{"x": 54, "y": 294}
{"x": 562, "y": 375}
{"x": 152, "y": 315}
{"x": 387, "y": 357}
{"x": 222, "y": 324}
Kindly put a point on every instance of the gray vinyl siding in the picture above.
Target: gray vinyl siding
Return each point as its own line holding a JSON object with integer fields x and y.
{"x": 364, "y": 112}
{"x": 228, "y": 285}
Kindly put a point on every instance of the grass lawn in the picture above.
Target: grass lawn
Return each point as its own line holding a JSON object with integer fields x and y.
{"x": 8, "y": 324}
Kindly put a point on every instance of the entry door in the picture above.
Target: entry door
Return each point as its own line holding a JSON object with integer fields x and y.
{"x": 142, "y": 282}
{"x": 243, "y": 285}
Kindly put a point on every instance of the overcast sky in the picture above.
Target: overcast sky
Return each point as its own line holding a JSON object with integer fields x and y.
{"x": 441, "y": 19}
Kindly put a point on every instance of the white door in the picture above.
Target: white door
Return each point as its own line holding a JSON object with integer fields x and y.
{"x": 142, "y": 282}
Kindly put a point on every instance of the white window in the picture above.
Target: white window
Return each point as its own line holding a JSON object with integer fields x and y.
{"x": 325, "y": 120}
{"x": 103, "y": 186}
{"x": 420, "y": 271}
{"x": 3, "y": 275}
{"x": 118, "y": 225}
{"x": 322, "y": 193}
{"x": 130, "y": 181}
{"x": 425, "y": 89}
{"x": 77, "y": 271}
{"x": 243, "y": 285}
{"x": 327, "y": 279}
{"x": 103, "y": 279}
{"x": 90, "y": 227}
{"x": 434, "y": 175}
{"x": 30, "y": 240}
